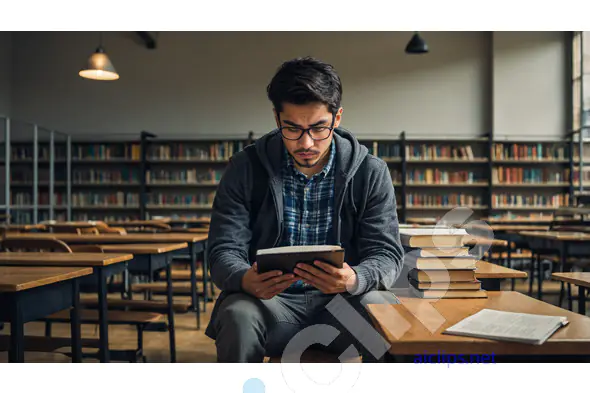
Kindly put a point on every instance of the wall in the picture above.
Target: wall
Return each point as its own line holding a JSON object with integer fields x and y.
{"x": 530, "y": 84}
{"x": 199, "y": 84}
{"x": 5, "y": 72}
{"x": 214, "y": 83}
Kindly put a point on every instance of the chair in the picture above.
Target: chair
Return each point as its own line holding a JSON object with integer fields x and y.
{"x": 33, "y": 244}
{"x": 87, "y": 231}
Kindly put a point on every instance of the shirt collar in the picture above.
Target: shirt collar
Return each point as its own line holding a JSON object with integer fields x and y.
{"x": 326, "y": 168}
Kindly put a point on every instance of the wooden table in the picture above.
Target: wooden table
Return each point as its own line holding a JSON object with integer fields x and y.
{"x": 30, "y": 293}
{"x": 491, "y": 274}
{"x": 103, "y": 266}
{"x": 400, "y": 325}
{"x": 197, "y": 243}
{"x": 564, "y": 244}
{"x": 147, "y": 259}
{"x": 582, "y": 280}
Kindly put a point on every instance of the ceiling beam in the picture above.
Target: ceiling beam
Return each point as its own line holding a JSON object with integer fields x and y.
{"x": 149, "y": 41}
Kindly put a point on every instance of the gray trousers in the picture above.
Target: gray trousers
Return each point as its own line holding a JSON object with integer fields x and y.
{"x": 248, "y": 329}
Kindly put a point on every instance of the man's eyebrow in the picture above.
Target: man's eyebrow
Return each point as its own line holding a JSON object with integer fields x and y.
{"x": 317, "y": 123}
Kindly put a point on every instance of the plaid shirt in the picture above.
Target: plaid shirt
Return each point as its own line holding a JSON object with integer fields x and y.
{"x": 308, "y": 205}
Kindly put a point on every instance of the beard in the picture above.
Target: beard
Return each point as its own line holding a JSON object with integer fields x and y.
{"x": 306, "y": 162}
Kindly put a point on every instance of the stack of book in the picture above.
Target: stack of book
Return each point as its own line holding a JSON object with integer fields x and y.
{"x": 439, "y": 265}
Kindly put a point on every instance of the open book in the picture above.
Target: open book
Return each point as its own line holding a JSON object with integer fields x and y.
{"x": 508, "y": 326}
{"x": 285, "y": 258}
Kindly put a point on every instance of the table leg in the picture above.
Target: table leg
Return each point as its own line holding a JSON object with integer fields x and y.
{"x": 581, "y": 300}
{"x": 170, "y": 311}
{"x": 491, "y": 284}
{"x": 561, "y": 268}
{"x": 195, "y": 298}
{"x": 17, "y": 334}
{"x": 102, "y": 316}
{"x": 75, "y": 323}
{"x": 540, "y": 272}
{"x": 205, "y": 276}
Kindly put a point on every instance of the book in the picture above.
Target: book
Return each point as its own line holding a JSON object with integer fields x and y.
{"x": 449, "y": 294}
{"x": 438, "y": 252}
{"x": 454, "y": 286}
{"x": 436, "y": 263}
{"x": 508, "y": 326}
{"x": 432, "y": 237}
{"x": 428, "y": 276}
{"x": 285, "y": 258}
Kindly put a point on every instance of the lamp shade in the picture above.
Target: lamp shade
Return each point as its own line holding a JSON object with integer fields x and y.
{"x": 416, "y": 45}
{"x": 99, "y": 67}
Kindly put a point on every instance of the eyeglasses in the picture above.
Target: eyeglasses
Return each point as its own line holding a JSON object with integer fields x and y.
{"x": 317, "y": 133}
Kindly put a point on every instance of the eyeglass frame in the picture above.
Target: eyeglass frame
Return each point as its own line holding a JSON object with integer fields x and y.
{"x": 305, "y": 130}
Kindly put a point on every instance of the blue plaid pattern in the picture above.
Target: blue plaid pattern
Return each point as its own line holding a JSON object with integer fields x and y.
{"x": 308, "y": 205}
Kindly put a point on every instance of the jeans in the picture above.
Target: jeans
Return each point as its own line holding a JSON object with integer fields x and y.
{"x": 248, "y": 329}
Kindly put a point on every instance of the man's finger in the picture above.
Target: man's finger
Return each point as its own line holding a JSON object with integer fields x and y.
{"x": 313, "y": 270}
{"x": 313, "y": 280}
{"x": 267, "y": 275}
{"x": 327, "y": 268}
{"x": 265, "y": 285}
{"x": 278, "y": 288}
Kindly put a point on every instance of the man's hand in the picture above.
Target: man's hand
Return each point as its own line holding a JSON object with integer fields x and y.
{"x": 326, "y": 277}
{"x": 266, "y": 285}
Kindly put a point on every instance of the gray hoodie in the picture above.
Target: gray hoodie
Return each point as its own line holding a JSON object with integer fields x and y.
{"x": 365, "y": 216}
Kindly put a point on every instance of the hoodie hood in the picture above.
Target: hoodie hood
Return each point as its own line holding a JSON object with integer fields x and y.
{"x": 349, "y": 153}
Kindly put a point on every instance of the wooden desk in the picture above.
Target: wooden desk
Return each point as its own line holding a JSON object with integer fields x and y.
{"x": 103, "y": 265}
{"x": 197, "y": 243}
{"x": 147, "y": 259}
{"x": 565, "y": 244}
{"x": 143, "y": 249}
{"x": 582, "y": 280}
{"x": 405, "y": 333}
{"x": 491, "y": 270}
{"x": 491, "y": 275}
{"x": 30, "y": 293}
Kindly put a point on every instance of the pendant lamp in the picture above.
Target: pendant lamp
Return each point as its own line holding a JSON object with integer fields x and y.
{"x": 417, "y": 45}
{"x": 99, "y": 66}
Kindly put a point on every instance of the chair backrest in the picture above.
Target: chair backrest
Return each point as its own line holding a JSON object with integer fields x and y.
{"x": 33, "y": 244}
{"x": 87, "y": 231}
{"x": 120, "y": 231}
{"x": 86, "y": 248}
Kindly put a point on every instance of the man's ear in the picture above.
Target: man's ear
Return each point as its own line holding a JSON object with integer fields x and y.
{"x": 338, "y": 117}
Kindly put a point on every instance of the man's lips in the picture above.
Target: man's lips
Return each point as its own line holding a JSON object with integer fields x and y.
{"x": 306, "y": 155}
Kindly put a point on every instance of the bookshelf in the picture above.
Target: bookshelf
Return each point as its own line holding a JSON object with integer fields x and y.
{"x": 493, "y": 178}
{"x": 51, "y": 176}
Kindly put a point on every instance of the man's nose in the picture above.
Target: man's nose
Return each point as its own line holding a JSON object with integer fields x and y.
{"x": 306, "y": 142}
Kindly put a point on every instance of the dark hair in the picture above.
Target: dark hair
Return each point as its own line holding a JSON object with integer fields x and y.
{"x": 305, "y": 80}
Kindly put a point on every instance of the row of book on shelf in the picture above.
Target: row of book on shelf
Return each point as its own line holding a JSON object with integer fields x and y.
{"x": 517, "y": 175}
{"x": 438, "y": 176}
{"x": 453, "y": 199}
{"x": 122, "y": 198}
{"x": 434, "y": 152}
{"x": 189, "y": 151}
{"x": 500, "y": 175}
{"x": 554, "y": 201}
{"x": 210, "y": 150}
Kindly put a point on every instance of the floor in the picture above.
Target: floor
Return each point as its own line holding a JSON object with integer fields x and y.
{"x": 192, "y": 345}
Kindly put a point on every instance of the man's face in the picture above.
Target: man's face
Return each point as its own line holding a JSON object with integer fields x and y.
{"x": 306, "y": 152}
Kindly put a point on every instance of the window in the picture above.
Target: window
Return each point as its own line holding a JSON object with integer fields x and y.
{"x": 581, "y": 82}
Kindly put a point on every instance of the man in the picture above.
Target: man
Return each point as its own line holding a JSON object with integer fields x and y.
{"x": 308, "y": 182}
